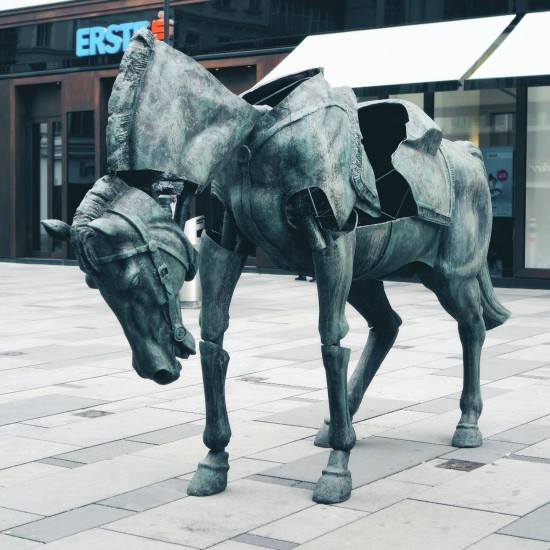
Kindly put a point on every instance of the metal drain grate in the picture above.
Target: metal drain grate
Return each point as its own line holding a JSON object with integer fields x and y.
{"x": 460, "y": 465}
{"x": 92, "y": 414}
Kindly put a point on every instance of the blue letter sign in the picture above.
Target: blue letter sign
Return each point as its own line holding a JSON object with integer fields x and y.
{"x": 100, "y": 40}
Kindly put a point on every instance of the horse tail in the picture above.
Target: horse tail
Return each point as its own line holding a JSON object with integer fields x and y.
{"x": 494, "y": 313}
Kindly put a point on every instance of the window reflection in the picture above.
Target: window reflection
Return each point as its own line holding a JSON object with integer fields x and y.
{"x": 80, "y": 158}
{"x": 488, "y": 118}
{"x": 537, "y": 196}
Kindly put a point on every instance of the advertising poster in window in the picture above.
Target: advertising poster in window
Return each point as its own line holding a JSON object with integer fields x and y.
{"x": 499, "y": 162}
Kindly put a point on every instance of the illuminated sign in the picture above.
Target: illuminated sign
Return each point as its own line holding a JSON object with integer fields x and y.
{"x": 114, "y": 38}
{"x": 101, "y": 40}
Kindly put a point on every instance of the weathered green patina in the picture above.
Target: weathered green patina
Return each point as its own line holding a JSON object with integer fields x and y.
{"x": 132, "y": 251}
{"x": 348, "y": 193}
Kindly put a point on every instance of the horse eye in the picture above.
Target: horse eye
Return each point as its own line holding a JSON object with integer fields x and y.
{"x": 131, "y": 282}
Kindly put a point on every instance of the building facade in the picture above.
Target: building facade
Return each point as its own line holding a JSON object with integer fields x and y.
{"x": 58, "y": 64}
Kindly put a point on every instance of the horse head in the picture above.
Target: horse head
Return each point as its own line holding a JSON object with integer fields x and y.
{"x": 138, "y": 258}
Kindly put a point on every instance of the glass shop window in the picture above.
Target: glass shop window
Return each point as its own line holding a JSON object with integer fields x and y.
{"x": 80, "y": 158}
{"x": 488, "y": 118}
{"x": 537, "y": 193}
{"x": 417, "y": 99}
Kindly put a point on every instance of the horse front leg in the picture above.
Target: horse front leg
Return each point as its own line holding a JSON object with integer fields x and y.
{"x": 333, "y": 271}
{"x": 219, "y": 270}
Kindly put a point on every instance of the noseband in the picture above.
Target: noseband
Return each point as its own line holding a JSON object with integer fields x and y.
{"x": 153, "y": 248}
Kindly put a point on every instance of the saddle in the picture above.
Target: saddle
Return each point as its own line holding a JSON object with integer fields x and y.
{"x": 414, "y": 174}
{"x": 400, "y": 170}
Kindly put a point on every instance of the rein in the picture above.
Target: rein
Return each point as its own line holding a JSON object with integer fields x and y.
{"x": 153, "y": 248}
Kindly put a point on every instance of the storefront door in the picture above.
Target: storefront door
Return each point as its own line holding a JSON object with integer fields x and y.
{"x": 44, "y": 183}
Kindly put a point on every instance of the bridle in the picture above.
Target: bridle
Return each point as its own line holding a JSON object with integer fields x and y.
{"x": 153, "y": 248}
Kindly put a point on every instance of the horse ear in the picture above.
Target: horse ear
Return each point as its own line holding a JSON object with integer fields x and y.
{"x": 57, "y": 229}
{"x": 109, "y": 227}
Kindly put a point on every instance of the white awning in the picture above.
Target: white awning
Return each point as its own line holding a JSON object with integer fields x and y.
{"x": 523, "y": 58}
{"x": 431, "y": 56}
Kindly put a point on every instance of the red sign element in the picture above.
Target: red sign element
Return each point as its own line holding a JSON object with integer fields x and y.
{"x": 157, "y": 26}
{"x": 502, "y": 175}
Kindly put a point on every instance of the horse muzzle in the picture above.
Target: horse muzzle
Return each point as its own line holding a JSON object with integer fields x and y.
{"x": 162, "y": 374}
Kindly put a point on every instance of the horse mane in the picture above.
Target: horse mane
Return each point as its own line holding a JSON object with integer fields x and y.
{"x": 98, "y": 199}
{"x": 123, "y": 99}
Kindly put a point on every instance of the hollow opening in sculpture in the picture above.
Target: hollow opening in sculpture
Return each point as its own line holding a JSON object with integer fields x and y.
{"x": 383, "y": 129}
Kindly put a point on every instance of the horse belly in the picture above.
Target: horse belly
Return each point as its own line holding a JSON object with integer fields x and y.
{"x": 385, "y": 247}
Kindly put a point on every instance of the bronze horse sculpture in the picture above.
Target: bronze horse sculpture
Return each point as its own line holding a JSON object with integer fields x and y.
{"x": 348, "y": 193}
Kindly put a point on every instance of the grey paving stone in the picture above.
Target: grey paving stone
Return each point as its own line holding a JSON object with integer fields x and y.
{"x": 113, "y": 427}
{"x": 101, "y": 538}
{"x": 57, "y": 352}
{"x": 102, "y": 452}
{"x": 529, "y": 459}
{"x": 371, "y": 459}
{"x": 436, "y": 406}
{"x": 411, "y": 524}
{"x": 505, "y": 542}
{"x": 60, "y": 462}
{"x": 244, "y": 506}
{"x": 309, "y": 524}
{"x": 150, "y": 496}
{"x": 518, "y": 332}
{"x": 22, "y": 449}
{"x": 506, "y": 487}
{"x": 7, "y": 542}
{"x": 69, "y": 523}
{"x": 528, "y": 434}
{"x": 298, "y": 353}
{"x": 265, "y": 542}
{"x": 501, "y": 349}
{"x": 275, "y": 480}
{"x": 53, "y": 363}
{"x": 495, "y": 368}
{"x": 46, "y": 405}
{"x": 486, "y": 393}
{"x": 488, "y": 452}
{"x": 12, "y": 518}
{"x": 312, "y": 416}
{"x": 73, "y": 488}
{"x": 167, "y": 435}
{"x": 535, "y": 525}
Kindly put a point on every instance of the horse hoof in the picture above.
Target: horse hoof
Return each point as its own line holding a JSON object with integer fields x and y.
{"x": 322, "y": 438}
{"x": 211, "y": 475}
{"x": 467, "y": 435}
{"x": 335, "y": 484}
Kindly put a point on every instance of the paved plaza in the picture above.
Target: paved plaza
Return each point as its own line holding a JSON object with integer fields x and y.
{"x": 93, "y": 457}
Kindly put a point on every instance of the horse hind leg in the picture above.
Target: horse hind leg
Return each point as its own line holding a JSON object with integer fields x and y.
{"x": 369, "y": 299}
{"x": 462, "y": 300}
